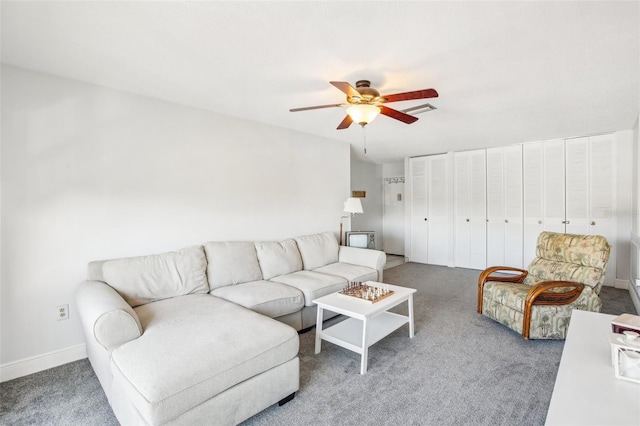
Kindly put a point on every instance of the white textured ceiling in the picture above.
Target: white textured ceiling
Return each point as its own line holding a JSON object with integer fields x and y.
{"x": 507, "y": 72}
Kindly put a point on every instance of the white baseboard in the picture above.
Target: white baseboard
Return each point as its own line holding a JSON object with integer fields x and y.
{"x": 37, "y": 363}
{"x": 624, "y": 284}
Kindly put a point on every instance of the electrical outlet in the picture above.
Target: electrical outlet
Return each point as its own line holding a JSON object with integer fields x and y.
{"x": 63, "y": 312}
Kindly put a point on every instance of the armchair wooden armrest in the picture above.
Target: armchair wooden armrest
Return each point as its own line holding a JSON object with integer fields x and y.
{"x": 486, "y": 276}
{"x": 539, "y": 294}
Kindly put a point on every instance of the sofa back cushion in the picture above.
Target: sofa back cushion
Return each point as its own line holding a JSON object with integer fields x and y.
{"x": 145, "y": 279}
{"x": 278, "y": 258}
{"x": 231, "y": 262}
{"x": 317, "y": 250}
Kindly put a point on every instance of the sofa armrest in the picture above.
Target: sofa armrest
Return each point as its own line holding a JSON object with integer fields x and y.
{"x": 374, "y": 259}
{"x": 106, "y": 315}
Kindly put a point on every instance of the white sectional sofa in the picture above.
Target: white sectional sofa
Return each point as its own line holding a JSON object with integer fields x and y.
{"x": 189, "y": 337}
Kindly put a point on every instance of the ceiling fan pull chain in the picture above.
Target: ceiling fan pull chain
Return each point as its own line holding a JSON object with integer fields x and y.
{"x": 364, "y": 137}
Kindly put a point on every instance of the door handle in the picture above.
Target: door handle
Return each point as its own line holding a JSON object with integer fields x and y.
{"x": 467, "y": 220}
{"x": 566, "y": 222}
{"x": 593, "y": 222}
{"x": 506, "y": 221}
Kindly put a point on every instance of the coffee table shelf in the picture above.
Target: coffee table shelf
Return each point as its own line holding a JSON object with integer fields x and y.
{"x": 367, "y": 323}
{"x": 349, "y": 331}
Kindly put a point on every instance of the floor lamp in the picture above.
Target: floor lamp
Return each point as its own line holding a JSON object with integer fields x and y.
{"x": 351, "y": 206}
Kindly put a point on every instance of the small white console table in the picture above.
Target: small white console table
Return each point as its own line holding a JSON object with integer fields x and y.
{"x": 586, "y": 391}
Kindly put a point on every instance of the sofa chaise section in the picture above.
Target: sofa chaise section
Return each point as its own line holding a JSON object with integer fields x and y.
{"x": 196, "y": 347}
{"x": 167, "y": 352}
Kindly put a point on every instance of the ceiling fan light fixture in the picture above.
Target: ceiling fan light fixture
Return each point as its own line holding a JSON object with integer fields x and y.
{"x": 363, "y": 114}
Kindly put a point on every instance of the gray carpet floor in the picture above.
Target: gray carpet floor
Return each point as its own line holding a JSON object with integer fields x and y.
{"x": 460, "y": 369}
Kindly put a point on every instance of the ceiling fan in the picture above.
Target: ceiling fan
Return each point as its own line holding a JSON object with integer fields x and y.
{"x": 365, "y": 103}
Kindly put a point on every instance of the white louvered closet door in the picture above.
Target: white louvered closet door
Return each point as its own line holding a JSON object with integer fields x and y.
{"x": 470, "y": 246}
{"x": 438, "y": 213}
{"x": 577, "y": 186}
{"x": 418, "y": 244}
{"x": 513, "y": 211}
{"x": 496, "y": 207}
{"x": 478, "y": 210}
{"x": 461, "y": 191}
{"x": 554, "y": 194}
{"x": 533, "y": 190}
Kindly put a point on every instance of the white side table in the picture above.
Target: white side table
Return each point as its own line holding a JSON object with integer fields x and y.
{"x": 367, "y": 324}
{"x": 586, "y": 391}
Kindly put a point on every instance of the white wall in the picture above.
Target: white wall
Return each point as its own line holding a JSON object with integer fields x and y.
{"x": 91, "y": 173}
{"x": 634, "y": 275}
{"x": 393, "y": 209}
{"x": 367, "y": 176}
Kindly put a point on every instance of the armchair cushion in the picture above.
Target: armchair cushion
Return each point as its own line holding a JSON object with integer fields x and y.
{"x": 550, "y": 270}
{"x": 504, "y": 303}
{"x": 569, "y": 257}
{"x": 586, "y": 250}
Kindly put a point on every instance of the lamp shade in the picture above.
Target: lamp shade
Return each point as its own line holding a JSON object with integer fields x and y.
{"x": 363, "y": 113}
{"x": 353, "y": 205}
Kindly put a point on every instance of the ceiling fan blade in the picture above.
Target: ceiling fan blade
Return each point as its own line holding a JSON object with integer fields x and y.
{"x": 346, "y": 88}
{"x": 345, "y": 123}
{"x": 398, "y": 115}
{"x": 416, "y": 94}
{"x": 315, "y": 107}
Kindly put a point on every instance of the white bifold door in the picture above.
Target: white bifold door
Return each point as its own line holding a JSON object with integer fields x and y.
{"x": 429, "y": 235}
{"x": 504, "y": 207}
{"x": 470, "y": 207}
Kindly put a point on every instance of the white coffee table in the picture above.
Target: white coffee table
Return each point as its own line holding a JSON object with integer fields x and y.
{"x": 367, "y": 324}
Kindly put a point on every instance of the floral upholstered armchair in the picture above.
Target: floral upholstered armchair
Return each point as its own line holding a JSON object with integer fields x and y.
{"x": 566, "y": 274}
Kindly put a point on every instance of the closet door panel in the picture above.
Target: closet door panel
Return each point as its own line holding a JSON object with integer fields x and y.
{"x": 533, "y": 184}
{"x": 554, "y": 194}
{"x": 513, "y": 212}
{"x": 495, "y": 207}
{"x": 462, "y": 217}
{"x": 478, "y": 210}
{"x": 577, "y": 186}
{"x": 438, "y": 223}
{"x": 417, "y": 172}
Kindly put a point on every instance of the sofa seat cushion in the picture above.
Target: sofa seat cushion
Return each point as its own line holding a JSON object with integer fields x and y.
{"x": 312, "y": 284}
{"x": 349, "y": 272}
{"x": 265, "y": 297}
{"x": 193, "y": 348}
